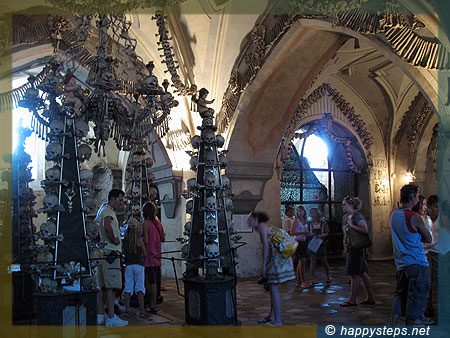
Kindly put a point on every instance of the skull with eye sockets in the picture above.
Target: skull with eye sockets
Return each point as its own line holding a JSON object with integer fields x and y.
{"x": 81, "y": 129}
{"x": 210, "y": 180}
{"x": 53, "y": 150}
{"x": 48, "y": 285}
{"x": 191, "y": 184}
{"x": 86, "y": 177}
{"x": 208, "y": 136}
{"x": 92, "y": 230}
{"x": 53, "y": 174}
{"x": 57, "y": 127}
{"x": 193, "y": 162}
{"x": 211, "y": 227}
{"x": 135, "y": 209}
{"x": 50, "y": 201}
{"x": 211, "y": 203}
{"x": 47, "y": 229}
{"x": 196, "y": 141}
{"x": 226, "y": 184}
{"x": 220, "y": 141}
{"x": 212, "y": 250}
{"x": 210, "y": 158}
{"x": 136, "y": 190}
{"x": 153, "y": 193}
{"x": 229, "y": 204}
{"x": 84, "y": 152}
{"x": 89, "y": 203}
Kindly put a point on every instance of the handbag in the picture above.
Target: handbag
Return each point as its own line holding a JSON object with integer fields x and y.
{"x": 314, "y": 244}
{"x": 358, "y": 240}
{"x": 283, "y": 242}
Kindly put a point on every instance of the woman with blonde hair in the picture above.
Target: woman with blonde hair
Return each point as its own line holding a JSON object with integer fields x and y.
{"x": 300, "y": 231}
{"x": 319, "y": 229}
{"x": 356, "y": 265}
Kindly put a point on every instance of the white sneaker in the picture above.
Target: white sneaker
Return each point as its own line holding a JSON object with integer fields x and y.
{"x": 101, "y": 319}
{"x": 115, "y": 321}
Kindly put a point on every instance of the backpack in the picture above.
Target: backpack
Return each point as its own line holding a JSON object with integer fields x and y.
{"x": 283, "y": 242}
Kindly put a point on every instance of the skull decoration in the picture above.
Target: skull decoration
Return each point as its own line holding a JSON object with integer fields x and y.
{"x": 193, "y": 162}
{"x": 81, "y": 128}
{"x": 191, "y": 184}
{"x": 51, "y": 201}
{"x": 53, "y": 150}
{"x": 190, "y": 207}
{"x": 89, "y": 203}
{"x": 211, "y": 226}
{"x": 137, "y": 174}
{"x": 210, "y": 157}
{"x": 24, "y": 211}
{"x": 45, "y": 256}
{"x": 220, "y": 141}
{"x": 53, "y": 174}
{"x": 187, "y": 227}
{"x": 136, "y": 190}
{"x": 47, "y": 230}
{"x": 229, "y": 204}
{"x": 208, "y": 136}
{"x": 196, "y": 141}
{"x": 223, "y": 160}
{"x": 184, "y": 251}
{"x": 86, "y": 177}
{"x": 149, "y": 162}
{"x": 212, "y": 250}
{"x": 88, "y": 283}
{"x": 210, "y": 180}
{"x": 48, "y": 285}
{"x": 151, "y": 177}
{"x": 25, "y": 229}
{"x": 211, "y": 202}
{"x": 135, "y": 209}
{"x": 226, "y": 184}
{"x": 92, "y": 229}
{"x": 25, "y": 192}
{"x": 57, "y": 127}
{"x": 84, "y": 152}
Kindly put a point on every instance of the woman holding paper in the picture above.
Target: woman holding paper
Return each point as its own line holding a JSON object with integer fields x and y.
{"x": 319, "y": 229}
{"x": 356, "y": 266}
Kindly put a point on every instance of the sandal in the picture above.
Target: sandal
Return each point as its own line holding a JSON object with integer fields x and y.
{"x": 305, "y": 285}
{"x": 264, "y": 320}
{"x": 366, "y": 302}
{"x": 152, "y": 310}
{"x": 347, "y": 304}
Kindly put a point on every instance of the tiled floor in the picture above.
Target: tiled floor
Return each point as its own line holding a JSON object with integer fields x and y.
{"x": 314, "y": 306}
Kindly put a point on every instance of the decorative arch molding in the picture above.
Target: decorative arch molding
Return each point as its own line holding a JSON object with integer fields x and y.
{"x": 326, "y": 99}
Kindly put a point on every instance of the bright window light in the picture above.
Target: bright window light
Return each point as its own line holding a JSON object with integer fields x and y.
{"x": 316, "y": 152}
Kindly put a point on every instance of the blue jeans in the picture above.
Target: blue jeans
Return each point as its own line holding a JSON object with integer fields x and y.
{"x": 411, "y": 292}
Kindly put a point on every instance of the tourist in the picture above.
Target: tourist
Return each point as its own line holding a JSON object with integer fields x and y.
{"x": 134, "y": 250}
{"x": 319, "y": 229}
{"x": 275, "y": 268}
{"x": 300, "y": 232}
{"x": 413, "y": 274}
{"x": 356, "y": 266}
{"x": 286, "y": 223}
{"x": 153, "y": 236}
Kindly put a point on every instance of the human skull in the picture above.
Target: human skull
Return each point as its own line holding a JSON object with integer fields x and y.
{"x": 50, "y": 201}
{"x": 24, "y": 211}
{"x": 88, "y": 283}
{"x": 207, "y": 121}
{"x": 137, "y": 174}
{"x": 191, "y": 184}
{"x": 84, "y": 152}
{"x": 53, "y": 150}
{"x": 53, "y": 174}
{"x": 210, "y": 158}
{"x": 211, "y": 226}
{"x": 45, "y": 256}
{"x": 210, "y": 202}
{"x": 220, "y": 141}
{"x": 81, "y": 128}
{"x": 190, "y": 207}
{"x": 196, "y": 141}
{"x": 149, "y": 162}
{"x": 86, "y": 177}
{"x": 92, "y": 229}
{"x": 226, "y": 184}
{"x": 135, "y": 209}
{"x": 208, "y": 136}
{"x": 25, "y": 192}
{"x": 187, "y": 226}
{"x": 223, "y": 160}
{"x": 48, "y": 285}
{"x": 25, "y": 229}
{"x": 153, "y": 193}
{"x": 210, "y": 180}
{"x": 212, "y": 250}
{"x": 151, "y": 177}
{"x": 229, "y": 204}
{"x": 136, "y": 190}
{"x": 47, "y": 229}
{"x": 185, "y": 251}
{"x": 193, "y": 162}
{"x": 89, "y": 203}
{"x": 57, "y": 126}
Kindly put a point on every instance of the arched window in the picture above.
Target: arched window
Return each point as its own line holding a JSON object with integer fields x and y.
{"x": 320, "y": 174}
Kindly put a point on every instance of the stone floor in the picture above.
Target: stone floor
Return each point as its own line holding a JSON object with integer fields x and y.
{"x": 315, "y": 306}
